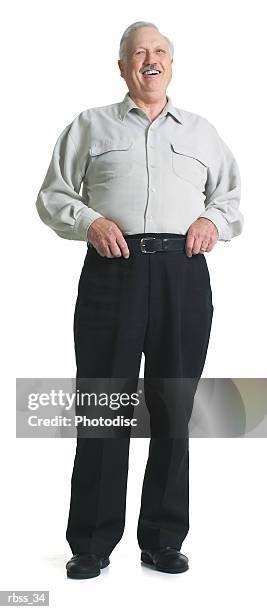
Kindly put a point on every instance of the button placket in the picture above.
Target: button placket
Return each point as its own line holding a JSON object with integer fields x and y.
{"x": 152, "y": 177}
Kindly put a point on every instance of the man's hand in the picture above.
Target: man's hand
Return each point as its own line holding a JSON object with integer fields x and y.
{"x": 107, "y": 238}
{"x": 201, "y": 236}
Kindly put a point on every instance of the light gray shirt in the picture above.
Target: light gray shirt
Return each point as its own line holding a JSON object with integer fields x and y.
{"x": 146, "y": 176}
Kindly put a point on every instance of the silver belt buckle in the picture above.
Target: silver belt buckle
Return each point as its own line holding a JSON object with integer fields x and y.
{"x": 143, "y": 245}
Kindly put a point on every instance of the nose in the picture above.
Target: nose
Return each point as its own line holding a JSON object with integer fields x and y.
{"x": 150, "y": 57}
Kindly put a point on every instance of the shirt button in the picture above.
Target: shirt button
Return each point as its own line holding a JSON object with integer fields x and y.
{"x": 153, "y": 189}
{"x": 153, "y": 166}
{"x": 152, "y": 146}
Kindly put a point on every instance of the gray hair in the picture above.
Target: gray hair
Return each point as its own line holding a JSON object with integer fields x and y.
{"x": 135, "y": 26}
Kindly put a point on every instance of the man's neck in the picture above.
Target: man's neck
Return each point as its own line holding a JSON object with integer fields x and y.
{"x": 151, "y": 108}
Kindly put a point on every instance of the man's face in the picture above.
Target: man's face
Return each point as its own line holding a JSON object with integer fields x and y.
{"x": 146, "y": 47}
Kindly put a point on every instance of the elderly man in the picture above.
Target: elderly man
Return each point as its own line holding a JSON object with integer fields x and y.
{"x": 160, "y": 188}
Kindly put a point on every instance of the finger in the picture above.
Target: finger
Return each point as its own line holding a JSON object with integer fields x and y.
{"x": 114, "y": 249}
{"x": 197, "y": 245}
{"x": 121, "y": 242}
{"x": 189, "y": 244}
{"x": 103, "y": 249}
{"x": 204, "y": 245}
{"x": 210, "y": 245}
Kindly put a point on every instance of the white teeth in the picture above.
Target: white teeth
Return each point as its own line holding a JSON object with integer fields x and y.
{"x": 151, "y": 72}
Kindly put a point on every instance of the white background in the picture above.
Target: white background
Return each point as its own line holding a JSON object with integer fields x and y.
{"x": 59, "y": 59}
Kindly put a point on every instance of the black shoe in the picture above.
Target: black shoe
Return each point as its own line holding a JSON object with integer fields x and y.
{"x": 166, "y": 559}
{"x": 86, "y": 565}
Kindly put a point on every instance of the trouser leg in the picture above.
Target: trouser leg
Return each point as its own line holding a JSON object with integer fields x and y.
{"x": 180, "y": 317}
{"x": 109, "y": 327}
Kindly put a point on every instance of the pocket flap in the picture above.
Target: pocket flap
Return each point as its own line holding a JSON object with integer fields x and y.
{"x": 182, "y": 150}
{"x": 103, "y": 146}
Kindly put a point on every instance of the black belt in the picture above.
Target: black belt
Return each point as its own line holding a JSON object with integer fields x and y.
{"x": 153, "y": 244}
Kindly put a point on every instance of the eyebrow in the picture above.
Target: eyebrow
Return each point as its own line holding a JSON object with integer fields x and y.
{"x": 142, "y": 47}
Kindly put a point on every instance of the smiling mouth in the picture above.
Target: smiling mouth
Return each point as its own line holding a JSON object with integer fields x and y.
{"x": 151, "y": 74}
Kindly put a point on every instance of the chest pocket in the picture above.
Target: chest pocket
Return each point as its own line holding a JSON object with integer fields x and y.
{"x": 189, "y": 166}
{"x": 111, "y": 158}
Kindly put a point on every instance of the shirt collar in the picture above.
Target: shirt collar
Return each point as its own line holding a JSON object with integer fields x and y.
{"x": 127, "y": 104}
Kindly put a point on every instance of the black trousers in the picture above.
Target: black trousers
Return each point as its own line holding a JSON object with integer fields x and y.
{"x": 159, "y": 304}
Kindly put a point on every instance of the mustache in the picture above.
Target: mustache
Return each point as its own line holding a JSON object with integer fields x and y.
{"x": 149, "y": 67}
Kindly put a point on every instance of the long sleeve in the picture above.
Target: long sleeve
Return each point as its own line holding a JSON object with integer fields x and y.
{"x": 58, "y": 203}
{"x": 223, "y": 192}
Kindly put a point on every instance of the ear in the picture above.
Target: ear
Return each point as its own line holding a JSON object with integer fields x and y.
{"x": 121, "y": 67}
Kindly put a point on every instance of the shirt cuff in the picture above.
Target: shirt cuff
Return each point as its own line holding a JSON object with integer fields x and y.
{"x": 222, "y": 226}
{"x": 82, "y": 224}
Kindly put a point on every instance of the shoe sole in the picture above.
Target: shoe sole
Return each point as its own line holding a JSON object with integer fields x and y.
{"x": 103, "y": 563}
{"x": 148, "y": 561}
